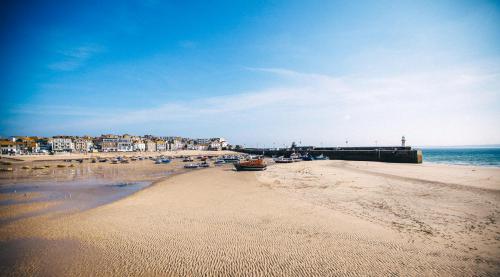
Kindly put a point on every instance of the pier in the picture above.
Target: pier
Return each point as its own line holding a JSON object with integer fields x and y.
{"x": 394, "y": 154}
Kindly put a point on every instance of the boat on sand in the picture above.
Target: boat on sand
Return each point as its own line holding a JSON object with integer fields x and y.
{"x": 283, "y": 160}
{"x": 251, "y": 165}
{"x": 191, "y": 166}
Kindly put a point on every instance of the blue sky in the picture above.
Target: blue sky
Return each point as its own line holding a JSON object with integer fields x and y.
{"x": 255, "y": 72}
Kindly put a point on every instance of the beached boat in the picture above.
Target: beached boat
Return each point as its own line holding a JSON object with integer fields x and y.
{"x": 321, "y": 158}
{"x": 307, "y": 157}
{"x": 231, "y": 159}
{"x": 188, "y": 160}
{"x": 191, "y": 166}
{"x": 219, "y": 162}
{"x": 295, "y": 157}
{"x": 283, "y": 160}
{"x": 251, "y": 165}
{"x": 204, "y": 165}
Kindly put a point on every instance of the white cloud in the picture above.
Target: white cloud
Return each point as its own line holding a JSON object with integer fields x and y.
{"x": 74, "y": 58}
{"x": 457, "y": 106}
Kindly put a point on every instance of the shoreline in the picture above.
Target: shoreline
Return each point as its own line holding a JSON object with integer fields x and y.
{"x": 463, "y": 164}
{"x": 86, "y": 156}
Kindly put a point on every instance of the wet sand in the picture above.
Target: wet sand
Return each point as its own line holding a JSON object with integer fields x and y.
{"x": 309, "y": 218}
{"x": 76, "y": 186}
{"x": 64, "y": 156}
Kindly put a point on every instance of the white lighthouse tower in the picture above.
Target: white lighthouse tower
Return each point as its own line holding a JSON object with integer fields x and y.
{"x": 403, "y": 141}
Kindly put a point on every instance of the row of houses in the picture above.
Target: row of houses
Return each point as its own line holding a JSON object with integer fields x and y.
{"x": 107, "y": 143}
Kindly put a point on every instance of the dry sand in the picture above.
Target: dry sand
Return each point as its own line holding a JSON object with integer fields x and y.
{"x": 310, "y": 218}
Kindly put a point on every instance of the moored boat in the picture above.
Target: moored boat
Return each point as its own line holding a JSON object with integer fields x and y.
{"x": 283, "y": 160}
{"x": 191, "y": 166}
{"x": 307, "y": 157}
{"x": 251, "y": 165}
{"x": 231, "y": 159}
{"x": 321, "y": 158}
{"x": 219, "y": 162}
{"x": 188, "y": 160}
{"x": 204, "y": 165}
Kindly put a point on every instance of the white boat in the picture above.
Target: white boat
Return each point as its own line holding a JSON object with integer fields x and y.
{"x": 283, "y": 160}
{"x": 203, "y": 165}
{"x": 219, "y": 162}
{"x": 191, "y": 166}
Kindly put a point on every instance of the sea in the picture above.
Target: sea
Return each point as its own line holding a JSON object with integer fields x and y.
{"x": 463, "y": 156}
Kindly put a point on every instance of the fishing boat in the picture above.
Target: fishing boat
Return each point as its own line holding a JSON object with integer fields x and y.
{"x": 204, "y": 165}
{"x": 219, "y": 162}
{"x": 251, "y": 165}
{"x": 283, "y": 160}
{"x": 321, "y": 158}
{"x": 188, "y": 160}
{"x": 307, "y": 157}
{"x": 165, "y": 161}
{"x": 231, "y": 159}
{"x": 191, "y": 166}
{"x": 295, "y": 157}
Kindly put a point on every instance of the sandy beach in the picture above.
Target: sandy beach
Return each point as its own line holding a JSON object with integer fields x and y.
{"x": 319, "y": 218}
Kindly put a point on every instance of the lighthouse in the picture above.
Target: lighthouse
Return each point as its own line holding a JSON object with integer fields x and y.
{"x": 403, "y": 141}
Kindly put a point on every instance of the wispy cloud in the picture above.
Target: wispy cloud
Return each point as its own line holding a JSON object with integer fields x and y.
{"x": 447, "y": 107}
{"x": 71, "y": 59}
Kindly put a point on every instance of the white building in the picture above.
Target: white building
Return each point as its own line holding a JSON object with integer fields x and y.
{"x": 82, "y": 145}
{"x": 202, "y": 141}
{"x": 139, "y": 145}
{"x": 124, "y": 145}
{"x": 175, "y": 144}
{"x": 8, "y": 147}
{"x": 150, "y": 146}
{"x": 62, "y": 145}
{"x": 217, "y": 144}
{"x": 109, "y": 144}
{"x": 161, "y": 145}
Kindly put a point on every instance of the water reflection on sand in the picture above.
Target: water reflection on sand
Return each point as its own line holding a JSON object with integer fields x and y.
{"x": 75, "y": 187}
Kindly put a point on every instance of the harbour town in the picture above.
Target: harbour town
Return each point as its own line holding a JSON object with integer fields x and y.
{"x": 22, "y": 145}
